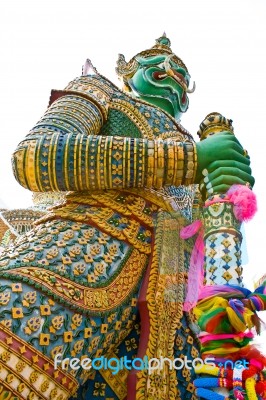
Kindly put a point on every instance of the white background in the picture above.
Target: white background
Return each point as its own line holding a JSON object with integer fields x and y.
{"x": 44, "y": 44}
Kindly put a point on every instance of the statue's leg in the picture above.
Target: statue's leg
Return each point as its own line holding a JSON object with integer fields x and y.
{"x": 35, "y": 338}
{"x": 78, "y": 275}
{"x": 68, "y": 290}
{"x": 112, "y": 383}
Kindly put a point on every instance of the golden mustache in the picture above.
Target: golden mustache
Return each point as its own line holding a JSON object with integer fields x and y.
{"x": 178, "y": 77}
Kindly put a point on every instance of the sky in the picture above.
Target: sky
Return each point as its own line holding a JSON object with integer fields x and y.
{"x": 45, "y": 43}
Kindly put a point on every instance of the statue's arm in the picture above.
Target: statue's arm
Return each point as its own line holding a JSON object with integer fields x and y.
{"x": 65, "y": 151}
{"x": 52, "y": 156}
{"x": 56, "y": 160}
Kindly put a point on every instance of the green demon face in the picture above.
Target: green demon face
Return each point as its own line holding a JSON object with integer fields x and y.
{"x": 160, "y": 81}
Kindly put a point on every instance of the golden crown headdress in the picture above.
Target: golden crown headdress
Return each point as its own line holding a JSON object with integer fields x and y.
{"x": 126, "y": 70}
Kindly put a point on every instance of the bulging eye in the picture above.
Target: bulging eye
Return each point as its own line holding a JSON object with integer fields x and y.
{"x": 159, "y": 75}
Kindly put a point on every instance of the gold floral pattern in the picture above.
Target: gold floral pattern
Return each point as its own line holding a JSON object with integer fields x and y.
{"x": 30, "y": 297}
{"x": 34, "y": 324}
{"x": 4, "y": 298}
{"x": 58, "y": 321}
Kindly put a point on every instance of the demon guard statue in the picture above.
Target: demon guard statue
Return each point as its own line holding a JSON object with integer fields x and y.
{"x": 106, "y": 297}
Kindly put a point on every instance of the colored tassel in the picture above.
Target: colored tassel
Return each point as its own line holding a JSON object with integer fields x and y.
{"x": 204, "y": 337}
{"x": 250, "y": 389}
{"x": 261, "y": 389}
{"x": 226, "y": 291}
{"x": 207, "y": 369}
{"x": 206, "y": 382}
{"x": 243, "y": 199}
{"x": 224, "y": 313}
{"x": 209, "y": 395}
{"x": 229, "y": 310}
{"x": 196, "y": 273}
{"x": 237, "y": 383}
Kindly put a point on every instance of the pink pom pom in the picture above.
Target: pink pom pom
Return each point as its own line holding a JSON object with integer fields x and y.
{"x": 244, "y": 200}
{"x": 238, "y": 395}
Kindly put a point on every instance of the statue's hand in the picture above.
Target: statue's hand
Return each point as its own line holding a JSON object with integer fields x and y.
{"x": 222, "y": 163}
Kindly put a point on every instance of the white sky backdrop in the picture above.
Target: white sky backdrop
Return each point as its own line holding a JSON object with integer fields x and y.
{"x": 44, "y": 43}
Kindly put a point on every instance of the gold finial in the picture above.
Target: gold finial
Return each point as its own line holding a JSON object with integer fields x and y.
{"x": 163, "y": 41}
{"x": 213, "y": 123}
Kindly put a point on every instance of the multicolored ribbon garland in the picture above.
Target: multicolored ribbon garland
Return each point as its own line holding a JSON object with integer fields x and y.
{"x": 224, "y": 313}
